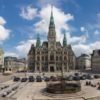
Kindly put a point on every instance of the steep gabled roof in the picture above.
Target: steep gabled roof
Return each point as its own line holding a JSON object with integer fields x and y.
{"x": 32, "y": 50}
{"x": 58, "y": 43}
{"x": 45, "y": 44}
{"x": 84, "y": 55}
{"x": 99, "y": 52}
{"x": 95, "y": 51}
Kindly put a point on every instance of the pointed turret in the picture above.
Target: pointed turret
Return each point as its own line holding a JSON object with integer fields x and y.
{"x": 64, "y": 41}
{"x": 51, "y": 25}
{"x": 38, "y": 42}
{"x": 52, "y": 32}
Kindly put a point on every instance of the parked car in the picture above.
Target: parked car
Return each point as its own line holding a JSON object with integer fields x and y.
{"x": 4, "y": 94}
{"x": 76, "y": 74}
{"x": 70, "y": 78}
{"x": 60, "y": 78}
{"x": 96, "y": 76}
{"x": 3, "y": 87}
{"x": 38, "y": 79}
{"x": 31, "y": 79}
{"x": 16, "y": 79}
{"x": 23, "y": 79}
{"x": 90, "y": 76}
{"x": 46, "y": 79}
{"x": 14, "y": 88}
{"x": 53, "y": 78}
{"x": 99, "y": 87}
{"x": 76, "y": 78}
{"x": 83, "y": 77}
{"x": 9, "y": 91}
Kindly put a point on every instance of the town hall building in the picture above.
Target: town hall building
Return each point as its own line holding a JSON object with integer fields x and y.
{"x": 51, "y": 55}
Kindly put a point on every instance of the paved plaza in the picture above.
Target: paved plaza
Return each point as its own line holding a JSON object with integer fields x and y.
{"x": 34, "y": 91}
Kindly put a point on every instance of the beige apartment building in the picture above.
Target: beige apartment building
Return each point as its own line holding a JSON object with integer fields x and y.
{"x": 95, "y": 60}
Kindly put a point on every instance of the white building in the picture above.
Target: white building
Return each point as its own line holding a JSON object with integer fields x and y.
{"x": 1, "y": 60}
{"x": 21, "y": 65}
{"x": 14, "y": 64}
{"x": 95, "y": 60}
{"x": 84, "y": 62}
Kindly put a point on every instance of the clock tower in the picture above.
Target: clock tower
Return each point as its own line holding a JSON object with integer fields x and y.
{"x": 51, "y": 45}
{"x": 51, "y": 33}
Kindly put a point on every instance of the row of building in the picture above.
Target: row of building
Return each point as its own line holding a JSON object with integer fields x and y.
{"x": 52, "y": 56}
{"x": 12, "y": 64}
{"x": 89, "y": 62}
{"x": 83, "y": 62}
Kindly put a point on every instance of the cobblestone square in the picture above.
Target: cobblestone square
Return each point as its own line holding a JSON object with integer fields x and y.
{"x": 33, "y": 91}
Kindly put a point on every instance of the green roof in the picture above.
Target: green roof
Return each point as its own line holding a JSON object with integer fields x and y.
{"x": 38, "y": 42}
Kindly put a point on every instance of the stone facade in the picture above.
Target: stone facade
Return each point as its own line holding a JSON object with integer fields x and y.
{"x": 95, "y": 60}
{"x": 14, "y": 64}
{"x": 51, "y": 56}
{"x": 1, "y": 60}
{"x": 83, "y": 62}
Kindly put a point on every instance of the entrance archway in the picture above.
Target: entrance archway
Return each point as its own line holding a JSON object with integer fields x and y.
{"x": 51, "y": 68}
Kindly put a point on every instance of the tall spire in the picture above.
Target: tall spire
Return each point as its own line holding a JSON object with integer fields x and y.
{"x": 51, "y": 32}
{"x": 64, "y": 41}
{"x": 51, "y": 25}
{"x": 38, "y": 42}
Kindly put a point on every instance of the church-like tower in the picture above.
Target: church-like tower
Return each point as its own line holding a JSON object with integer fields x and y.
{"x": 51, "y": 32}
{"x": 38, "y": 42}
{"x": 51, "y": 56}
{"x": 64, "y": 41}
{"x": 51, "y": 44}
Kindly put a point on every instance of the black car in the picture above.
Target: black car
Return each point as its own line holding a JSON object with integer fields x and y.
{"x": 38, "y": 79}
{"x": 69, "y": 78}
{"x": 46, "y": 79}
{"x": 89, "y": 76}
{"x": 96, "y": 76}
{"x": 16, "y": 79}
{"x": 83, "y": 77}
{"x": 31, "y": 79}
{"x": 53, "y": 78}
{"x": 23, "y": 79}
{"x": 99, "y": 87}
{"x": 76, "y": 74}
{"x": 76, "y": 78}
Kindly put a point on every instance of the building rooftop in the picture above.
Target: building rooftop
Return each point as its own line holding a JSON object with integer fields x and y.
{"x": 96, "y": 52}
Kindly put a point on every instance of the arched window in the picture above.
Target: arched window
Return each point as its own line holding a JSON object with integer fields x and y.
{"x": 60, "y": 58}
{"x": 51, "y": 57}
{"x": 46, "y": 58}
{"x": 10, "y": 69}
{"x": 64, "y": 57}
{"x": 56, "y": 58}
{"x": 42, "y": 58}
{"x": 38, "y": 52}
{"x": 38, "y": 58}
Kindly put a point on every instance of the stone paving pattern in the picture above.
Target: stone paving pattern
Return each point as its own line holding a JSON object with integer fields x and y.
{"x": 32, "y": 91}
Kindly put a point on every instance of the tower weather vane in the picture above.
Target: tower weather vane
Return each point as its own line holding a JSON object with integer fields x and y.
{"x": 51, "y": 7}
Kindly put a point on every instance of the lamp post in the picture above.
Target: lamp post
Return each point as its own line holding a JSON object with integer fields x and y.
{"x": 25, "y": 67}
{"x": 62, "y": 73}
